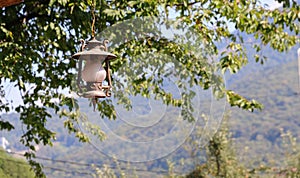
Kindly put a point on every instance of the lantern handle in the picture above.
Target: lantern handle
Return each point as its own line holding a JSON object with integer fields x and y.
{"x": 83, "y": 44}
{"x": 103, "y": 47}
{"x": 105, "y": 44}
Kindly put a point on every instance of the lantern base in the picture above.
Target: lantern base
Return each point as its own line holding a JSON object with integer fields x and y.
{"x": 94, "y": 94}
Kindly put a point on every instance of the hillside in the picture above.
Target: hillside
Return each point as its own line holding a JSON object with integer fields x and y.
{"x": 258, "y": 135}
{"x": 11, "y": 167}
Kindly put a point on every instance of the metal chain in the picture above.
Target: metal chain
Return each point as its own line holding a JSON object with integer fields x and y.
{"x": 94, "y": 18}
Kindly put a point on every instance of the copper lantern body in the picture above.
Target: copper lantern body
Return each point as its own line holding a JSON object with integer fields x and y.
{"x": 91, "y": 73}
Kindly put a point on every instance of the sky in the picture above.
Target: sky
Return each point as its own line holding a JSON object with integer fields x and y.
{"x": 272, "y": 4}
{"x": 13, "y": 94}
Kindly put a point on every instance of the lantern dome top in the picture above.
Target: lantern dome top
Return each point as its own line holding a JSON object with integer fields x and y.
{"x": 95, "y": 48}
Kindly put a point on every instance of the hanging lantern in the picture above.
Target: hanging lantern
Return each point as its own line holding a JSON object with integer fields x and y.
{"x": 91, "y": 73}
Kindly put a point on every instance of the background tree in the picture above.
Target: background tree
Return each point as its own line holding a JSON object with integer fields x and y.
{"x": 222, "y": 159}
{"x": 13, "y": 167}
{"x": 37, "y": 39}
